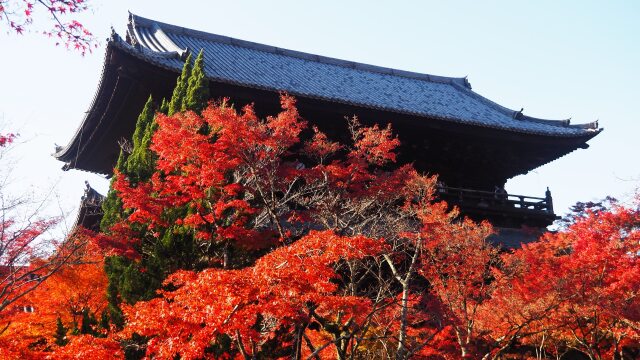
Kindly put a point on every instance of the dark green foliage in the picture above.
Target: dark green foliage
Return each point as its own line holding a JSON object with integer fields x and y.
{"x": 61, "y": 333}
{"x": 130, "y": 281}
{"x": 104, "y": 320}
{"x": 112, "y": 204}
{"x": 135, "y": 347}
{"x": 223, "y": 345}
{"x": 74, "y": 330}
{"x": 144, "y": 119}
{"x": 169, "y": 249}
{"x": 164, "y": 107}
{"x": 113, "y": 299}
{"x": 127, "y": 280}
{"x": 126, "y": 283}
{"x": 89, "y": 323}
{"x": 180, "y": 91}
{"x": 198, "y": 87}
{"x": 140, "y": 162}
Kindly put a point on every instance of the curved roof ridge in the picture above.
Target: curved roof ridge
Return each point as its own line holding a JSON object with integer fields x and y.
{"x": 519, "y": 115}
{"x": 302, "y": 74}
{"x": 593, "y": 125}
{"x": 560, "y": 122}
{"x": 137, "y": 20}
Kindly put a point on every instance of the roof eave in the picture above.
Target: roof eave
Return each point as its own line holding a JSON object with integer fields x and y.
{"x": 105, "y": 85}
{"x": 461, "y": 84}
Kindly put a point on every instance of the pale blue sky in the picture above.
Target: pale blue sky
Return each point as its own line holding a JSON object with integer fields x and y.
{"x": 556, "y": 59}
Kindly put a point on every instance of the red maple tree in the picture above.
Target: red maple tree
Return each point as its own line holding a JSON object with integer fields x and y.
{"x": 70, "y": 296}
{"x": 575, "y": 290}
{"x": 19, "y": 16}
{"x": 28, "y": 257}
{"x": 329, "y": 219}
{"x": 307, "y": 248}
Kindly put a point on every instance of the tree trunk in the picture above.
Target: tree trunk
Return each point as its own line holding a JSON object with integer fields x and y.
{"x": 401, "y": 353}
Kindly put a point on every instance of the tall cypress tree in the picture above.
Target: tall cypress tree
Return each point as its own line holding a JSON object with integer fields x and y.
{"x": 61, "y": 333}
{"x": 164, "y": 107}
{"x": 88, "y": 322}
{"x": 198, "y": 87}
{"x": 140, "y": 162}
{"x": 180, "y": 91}
{"x": 104, "y": 321}
{"x": 135, "y": 280}
{"x": 112, "y": 205}
{"x": 123, "y": 272}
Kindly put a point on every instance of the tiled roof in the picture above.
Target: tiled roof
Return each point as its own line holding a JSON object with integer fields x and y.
{"x": 265, "y": 67}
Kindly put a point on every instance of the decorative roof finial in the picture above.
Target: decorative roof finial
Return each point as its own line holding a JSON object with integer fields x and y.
{"x": 114, "y": 35}
{"x": 518, "y": 114}
{"x": 466, "y": 82}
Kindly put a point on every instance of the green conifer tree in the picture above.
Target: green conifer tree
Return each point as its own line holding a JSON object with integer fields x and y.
{"x": 126, "y": 281}
{"x": 112, "y": 205}
{"x": 180, "y": 91}
{"x": 140, "y": 162}
{"x": 164, "y": 107}
{"x": 61, "y": 333}
{"x": 74, "y": 330}
{"x": 88, "y": 322}
{"x": 104, "y": 320}
{"x": 112, "y": 209}
{"x": 113, "y": 269}
{"x": 175, "y": 248}
{"x": 198, "y": 87}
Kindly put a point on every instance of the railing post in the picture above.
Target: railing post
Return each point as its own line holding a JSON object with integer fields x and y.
{"x": 549, "y": 201}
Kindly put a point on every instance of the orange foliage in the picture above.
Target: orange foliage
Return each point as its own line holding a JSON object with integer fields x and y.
{"x": 88, "y": 347}
{"x": 340, "y": 257}
{"x": 577, "y": 289}
{"x": 284, "y": 286}
{"x": 65, "y": 295}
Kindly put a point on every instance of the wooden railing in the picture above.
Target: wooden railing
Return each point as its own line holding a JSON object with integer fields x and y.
{"x": 493, "y": 200}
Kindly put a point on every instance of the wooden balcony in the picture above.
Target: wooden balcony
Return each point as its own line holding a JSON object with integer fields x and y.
{"x": 501, "y": 208}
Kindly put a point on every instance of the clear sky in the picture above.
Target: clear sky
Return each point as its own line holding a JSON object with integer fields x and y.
{"x": 577, "y": 59}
